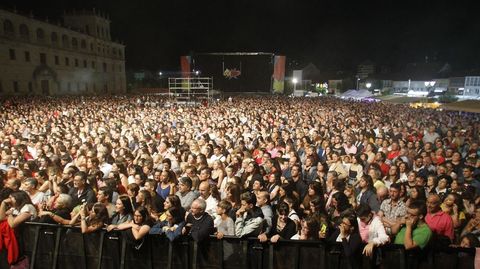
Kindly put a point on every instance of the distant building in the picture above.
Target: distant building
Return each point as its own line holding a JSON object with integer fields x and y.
{"x": 472, "y": 86}
{"x": 456, "y": 85}
{"x": 365, "y": 69}
{"x": 41, "y": 58}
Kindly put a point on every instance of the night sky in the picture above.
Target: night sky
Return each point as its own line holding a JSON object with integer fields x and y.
{"x": 332, "y": 34}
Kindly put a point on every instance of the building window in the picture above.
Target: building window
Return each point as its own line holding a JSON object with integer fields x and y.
{"x": 67, "y": 61}
{"x": 69, "y": 86}
{"x": 12, "y": 54}
{"x": 1, "y": 86}
{"x": 57, "y": 60}
{"x": 87, "y": 29}
{"x": 27, "y": 56}
{"x": 83, "y": 44}
{"x": 43, "y": 58}
{"x": 120, "y": 53}
{"x": 104, "y": 67}
{"x": 30, "y": 87}
{"x": 40, "y": 35}
{"x": 65, "y": 41}
{"x": 54, "y": 38}
{"x": 24, "y": 32}
{"x": 74, "y": 43}
{"x": 15, "y": 86}
{"x": 91, "y": 46}
{"x": 84, "y": 63}
{"x": 78, "y": 86}
{"x": 8, "y": 28}
{"x": 76, "y": 62}
{"x": 93, "y": 64}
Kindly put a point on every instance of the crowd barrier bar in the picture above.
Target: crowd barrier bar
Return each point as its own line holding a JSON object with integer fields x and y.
{"x": 48, "y": 246}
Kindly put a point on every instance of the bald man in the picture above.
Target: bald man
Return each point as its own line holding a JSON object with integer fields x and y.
{"x": 206, "y": 195}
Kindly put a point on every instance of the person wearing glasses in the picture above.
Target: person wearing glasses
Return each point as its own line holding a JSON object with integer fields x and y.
{"x": 415, "y": 232}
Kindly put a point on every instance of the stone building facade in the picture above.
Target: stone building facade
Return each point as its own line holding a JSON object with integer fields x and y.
{"x": 41, "y": 58}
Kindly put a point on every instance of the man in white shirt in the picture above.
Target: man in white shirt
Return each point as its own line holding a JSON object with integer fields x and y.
{"x": 205, "y": 194}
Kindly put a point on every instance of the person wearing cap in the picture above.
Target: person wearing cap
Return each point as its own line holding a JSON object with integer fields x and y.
{"x": 185, "y": 193}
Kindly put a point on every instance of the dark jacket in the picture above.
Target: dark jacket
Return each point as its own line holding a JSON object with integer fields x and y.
{"x": 86, "y": 196}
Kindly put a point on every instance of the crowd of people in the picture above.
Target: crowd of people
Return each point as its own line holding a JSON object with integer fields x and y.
{"x": 358, "y": 173}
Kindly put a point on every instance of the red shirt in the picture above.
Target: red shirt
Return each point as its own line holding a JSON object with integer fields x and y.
{"x": 440, "y": 223}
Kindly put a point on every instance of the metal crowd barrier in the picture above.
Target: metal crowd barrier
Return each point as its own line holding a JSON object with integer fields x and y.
{"x": 53, "y": 246}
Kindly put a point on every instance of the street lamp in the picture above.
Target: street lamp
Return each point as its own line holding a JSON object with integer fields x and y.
{"x": 160, "y": 73}
{"x": 428, "y": 85}
{"x": 358, "y": 80}
{"x": 368, "y": 85}
{"x": 295, "y": 81}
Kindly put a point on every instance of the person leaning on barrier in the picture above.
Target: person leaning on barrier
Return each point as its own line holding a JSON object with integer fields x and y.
{"x": 198, "y": 224}
{"x": 60, "y": 214}
{"x": 224, "y": 225}
{"x": 91, "y": 219}
{"x": 249, "y": 221}
{"x": 124, "y": 212}
{"x": 282, "y": 226}
{"x": 347, "y": 234}
{"x": 138, "y": 227}
{"x": 17, "y": 209}
{"x": 415, "y": 232}
{"x": 371, "y": 229}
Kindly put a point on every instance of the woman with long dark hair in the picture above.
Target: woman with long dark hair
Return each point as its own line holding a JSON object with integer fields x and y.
{"x": 367, "y": 193}
{"x": 92, "y": 217}
{"x": 138, "y": 227}
{"x": 124, "y": 212}
{"x": 17, "y": 209}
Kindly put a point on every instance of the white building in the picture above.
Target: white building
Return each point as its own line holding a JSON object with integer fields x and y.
{"x": 38, "y": 57}
{"x": 472, "y": 86}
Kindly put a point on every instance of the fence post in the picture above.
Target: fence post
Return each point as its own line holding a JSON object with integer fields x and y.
{"x": 270, "y": 256}
{"x": 100, "y": 254}
{"x": 296, "y": 256}
{"x": 57, "y": 247}
{"x": 122, "y": 254}
{"x": 34, "y": 251}
{"x": 170, "y": 255}
{"x": 245, "y": 252}
{"x": 194, "y": 254}
{"x": 220, "y": 250}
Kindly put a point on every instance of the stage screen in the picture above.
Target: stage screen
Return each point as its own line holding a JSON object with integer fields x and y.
{"x": 236, "y": 72}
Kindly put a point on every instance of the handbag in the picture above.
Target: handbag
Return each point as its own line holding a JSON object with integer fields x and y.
{"x": 22, "y": 263}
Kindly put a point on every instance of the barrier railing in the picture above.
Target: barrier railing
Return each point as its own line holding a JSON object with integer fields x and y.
{"x": 54, "y": 246}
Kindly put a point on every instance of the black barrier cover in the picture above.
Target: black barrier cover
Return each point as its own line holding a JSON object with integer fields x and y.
{"x": 53, "y": 246}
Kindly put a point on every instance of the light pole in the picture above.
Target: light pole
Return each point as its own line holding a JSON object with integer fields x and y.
{"x": 428, "y": 85}
{"x": 368, "y": 85}
{"x": 358, "y": 80}
{"x": 294, "y": 81}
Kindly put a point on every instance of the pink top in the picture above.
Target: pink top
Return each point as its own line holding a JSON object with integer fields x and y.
{"x": 440, "y": 223}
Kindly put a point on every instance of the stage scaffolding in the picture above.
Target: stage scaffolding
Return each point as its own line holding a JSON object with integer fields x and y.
{"x": 191, "y": 90}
